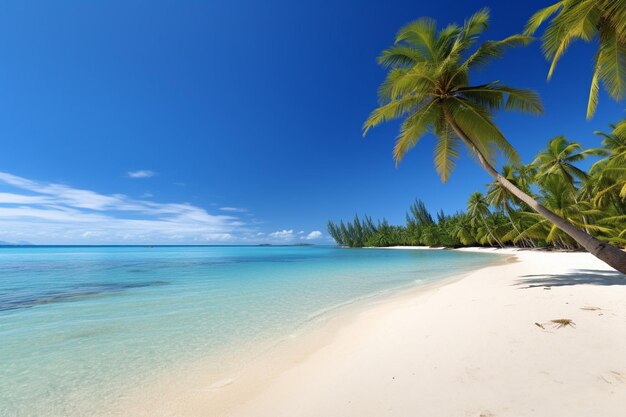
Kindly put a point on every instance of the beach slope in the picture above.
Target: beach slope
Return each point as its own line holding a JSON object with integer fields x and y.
{"x": 484, "y": 345}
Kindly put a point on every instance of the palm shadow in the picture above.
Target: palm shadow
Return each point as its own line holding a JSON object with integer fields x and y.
{"x": 578, "y": 277}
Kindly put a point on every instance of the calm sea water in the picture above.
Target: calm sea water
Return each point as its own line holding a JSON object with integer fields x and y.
{"x": 80, "y": 326}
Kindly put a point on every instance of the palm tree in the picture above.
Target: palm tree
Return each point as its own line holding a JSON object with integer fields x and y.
{"x": 383, "y": 236}
{"x": 524, "y": 177}
{"x": 558, "y": 160}
{"x": 464, "y": 232}
{"x": 494, "y": 229}
{"x": 498, "y": 196}
{"x": 428, "y": 86}
{"x": 419, "y": 215}
{"x": 502, "y": 199}
{"x": 478, "y": 212}
{"x": 557, "y": 196}
{"x": 611, "y": 170}
{"x": 586, "y": 19}
{"x": 477, "y": 208}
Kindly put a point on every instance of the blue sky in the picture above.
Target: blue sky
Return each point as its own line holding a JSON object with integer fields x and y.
{"x": 234, "y": 121}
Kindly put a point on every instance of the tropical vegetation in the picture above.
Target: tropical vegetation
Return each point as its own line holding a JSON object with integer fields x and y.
{"x": 571, "y": 20}
{"x": 428, "y": 86}
{"x": 593, "y": 200}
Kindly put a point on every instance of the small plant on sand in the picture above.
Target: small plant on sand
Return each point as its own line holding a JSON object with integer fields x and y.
{"x": 558, "y": 323}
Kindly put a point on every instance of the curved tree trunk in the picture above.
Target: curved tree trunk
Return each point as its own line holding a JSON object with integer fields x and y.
{"x": 610, "y": 254}
{"x": 604, "y": 251}
{"x": 527, "y": 241}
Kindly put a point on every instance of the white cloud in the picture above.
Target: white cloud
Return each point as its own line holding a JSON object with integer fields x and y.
{"x": 233, "y": 209}
{"x": 289, "y": 235}
{"x": 48, "y": 213}
{"x": 282, "y": 234}
{"x": 143, "y": 173}
{"x": 315, "y": 234}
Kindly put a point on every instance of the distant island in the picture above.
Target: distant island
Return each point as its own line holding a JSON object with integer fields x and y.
{"x": 288, "y": 244}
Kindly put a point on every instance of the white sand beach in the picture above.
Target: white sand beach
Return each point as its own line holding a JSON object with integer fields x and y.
{"x": 483, "y": 345}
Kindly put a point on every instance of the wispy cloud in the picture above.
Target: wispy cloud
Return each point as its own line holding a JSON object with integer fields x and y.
{"x": 143, "y": 173}
{"x": 234, "y": 209}
{"x": 56, "y": 213}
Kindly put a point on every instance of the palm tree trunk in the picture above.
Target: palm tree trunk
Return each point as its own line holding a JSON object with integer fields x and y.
{"x": 490, "y": 232}
{"x": 611, "y": 255}
{"x": 525, "y": 241}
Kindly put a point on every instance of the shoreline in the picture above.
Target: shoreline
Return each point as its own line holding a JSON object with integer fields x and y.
{"x": 486, "y": 355}
{"x": 469, "y": 347}
{"x": 200, "y": 392}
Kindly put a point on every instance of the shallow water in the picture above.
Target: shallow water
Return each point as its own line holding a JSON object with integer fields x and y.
{"x": 80, "y": 326}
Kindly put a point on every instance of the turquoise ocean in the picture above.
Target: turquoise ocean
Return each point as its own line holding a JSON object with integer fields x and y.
{"x": 82, "y": 326}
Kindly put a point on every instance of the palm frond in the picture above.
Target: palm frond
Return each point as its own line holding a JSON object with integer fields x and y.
{"x": 492, "y": 94}
{"x": 400, "y": 82}
{"x": 400, "y": 56}
{"x": 446, "y": 151}
{"x": 572, "y": 20}
{"x": 476, "y": 23}
{"x": 540, "y": 17}
{"x": 592, "y": 103}
{"x": 420, "y": 35}
{"x": 494, "y": 49}
{"x": 612, "y": 64}
{"x": 620, "y": 128}
{"x": 392, "y": 110}
{"x": 523, "y": 100}
{"x": 478, "y": 125}
{"x": 412, "y": 129}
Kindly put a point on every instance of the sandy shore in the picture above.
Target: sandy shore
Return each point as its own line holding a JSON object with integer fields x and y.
{"x": 473, "y": 347}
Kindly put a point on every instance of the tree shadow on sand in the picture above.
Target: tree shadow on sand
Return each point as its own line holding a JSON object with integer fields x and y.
{"x": 578, "y": 277}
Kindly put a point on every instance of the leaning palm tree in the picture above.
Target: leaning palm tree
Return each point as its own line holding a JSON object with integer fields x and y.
{"x": 585, "y": 19}
{"x": 428, "y": 86}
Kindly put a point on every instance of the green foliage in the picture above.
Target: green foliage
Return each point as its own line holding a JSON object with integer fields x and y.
{"x": 571, "y": 20}
{"x": 355, "y": 233}
{"x": 593, "y": 200}
{"x": 428, "y": 87}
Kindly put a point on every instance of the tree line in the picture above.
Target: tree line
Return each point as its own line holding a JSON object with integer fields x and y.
{"x": 593, "y": 200}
